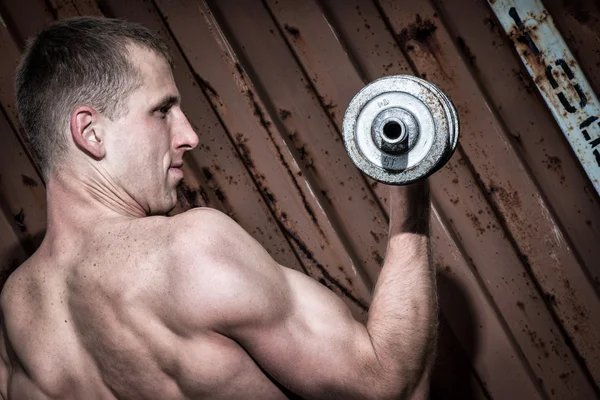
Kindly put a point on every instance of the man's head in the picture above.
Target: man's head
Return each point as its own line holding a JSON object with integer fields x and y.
{"x": 99, "y": 93}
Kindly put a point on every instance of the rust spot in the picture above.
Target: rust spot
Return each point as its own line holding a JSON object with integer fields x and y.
{"x": 330, "y": 106}
{"x": 244, "y": 151}
{"x": 239, "y": 69}
{"x": 258, "y": 111}
{"x": 284, "y": 114}
{"x": 219, "y": 194}
{"x": 465, "y": 50}
{"x": 324, "y": 193}
{"x": 207, "y": 174}
{"x": 190, "y": 198}
{"x": 489, "y": 21}
{"x": 375, "y": 237}
{"x": 270, "y": 198}
{"x": 551, "y": 298}
{"x": 537, "y": 341}
{"x": 524, "y": 79}
{"x": 420, "y": 31}
{"x": 205, "y": 85}
{"x": 377, "y": 257}
{"x": 29, "y": 181}
{"x": 525, "y": 40}
{"x": 217, "y": 190}
{"x": 510, "y": 198}
{"x": 555, "y": 164}
{"x": 292, "y": 31}
{"x": 476, "y": 223}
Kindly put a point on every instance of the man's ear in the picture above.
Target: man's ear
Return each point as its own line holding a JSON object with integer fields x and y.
{"x": 87, "y": 131}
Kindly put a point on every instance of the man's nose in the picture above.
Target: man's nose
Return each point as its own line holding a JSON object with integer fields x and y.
{"x": 185, "y": 136}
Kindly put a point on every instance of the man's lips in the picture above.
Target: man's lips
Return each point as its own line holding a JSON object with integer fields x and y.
{"x": 176, "y": 169}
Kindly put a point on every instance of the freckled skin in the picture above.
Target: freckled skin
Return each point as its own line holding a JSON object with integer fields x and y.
{"x": 89, "y": 315}
{"x": 121, "y": 302}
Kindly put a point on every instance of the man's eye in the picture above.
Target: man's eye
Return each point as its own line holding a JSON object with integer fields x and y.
{"x": 164, "y": 110}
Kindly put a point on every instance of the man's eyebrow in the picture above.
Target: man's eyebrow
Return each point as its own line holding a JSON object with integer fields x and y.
{"x": 166, "y": 101}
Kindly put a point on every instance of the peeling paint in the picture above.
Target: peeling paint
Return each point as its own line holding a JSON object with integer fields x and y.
{"x": 558, "y": 77}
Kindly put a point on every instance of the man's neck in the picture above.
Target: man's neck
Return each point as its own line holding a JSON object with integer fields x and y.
{"x": 75, "y": 205}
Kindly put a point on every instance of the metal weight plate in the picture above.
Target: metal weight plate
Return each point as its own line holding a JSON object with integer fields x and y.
{"x": 399, "y": 129}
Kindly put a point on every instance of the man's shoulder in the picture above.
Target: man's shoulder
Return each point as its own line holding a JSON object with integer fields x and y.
{"x": 221, "y": 270}
{"x": 20, "y": 282}
{"x": 204, "y": 229}
{"x": 207, "y": 244}
{"x": 208, "y": 266}
{"x": 202, "y": 220}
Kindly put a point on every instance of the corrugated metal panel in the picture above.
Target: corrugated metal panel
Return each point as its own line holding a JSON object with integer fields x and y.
{"x": 516, "y": 221}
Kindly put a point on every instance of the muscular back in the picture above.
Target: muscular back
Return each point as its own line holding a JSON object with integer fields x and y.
{"x": 190, "y": 307}
{"x": 100, "y": 319}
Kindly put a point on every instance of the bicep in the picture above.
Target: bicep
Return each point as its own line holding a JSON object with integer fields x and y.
{"x": 305, "y": 337}
{"x": 300, "y": 333}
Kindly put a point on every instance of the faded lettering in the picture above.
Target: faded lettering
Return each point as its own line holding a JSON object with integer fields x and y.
{"x": 590, "y": 128}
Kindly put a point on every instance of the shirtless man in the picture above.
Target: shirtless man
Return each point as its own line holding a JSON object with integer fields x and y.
{"x": 121, "y": 302}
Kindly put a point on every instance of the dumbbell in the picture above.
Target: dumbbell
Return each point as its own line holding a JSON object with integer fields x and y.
{"x": 400, "y": 129}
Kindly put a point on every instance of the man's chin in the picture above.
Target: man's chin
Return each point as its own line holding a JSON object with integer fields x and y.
{"x": 166, "y": 205}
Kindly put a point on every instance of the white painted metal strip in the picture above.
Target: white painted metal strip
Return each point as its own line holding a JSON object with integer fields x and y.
{"x": 557, "y": 75}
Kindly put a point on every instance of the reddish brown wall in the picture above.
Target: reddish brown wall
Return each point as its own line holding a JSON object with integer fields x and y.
{"x": 516, "y": 224}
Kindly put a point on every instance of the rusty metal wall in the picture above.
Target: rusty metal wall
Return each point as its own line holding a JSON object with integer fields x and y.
{"x": 516, "y": 221}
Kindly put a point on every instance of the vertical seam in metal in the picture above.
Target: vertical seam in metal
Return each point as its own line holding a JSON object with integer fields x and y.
{"x": 392, "y": 32}
{"x": 326, "y": 207}
{"x": 260, "y": 92}
{"x": 500, "y": 317}
{"x": 233, "y": 144}
{"x": 362, "y": 75}
{"x": 506, "y": 133}
{"x": 527, "y": 267}
{"x": 343, "y": 40}
{"x": 485, "y": 94}
{"x": 501, "y": 221}
{"x": 450, "y": 228}
{"x": 443, "y": 219}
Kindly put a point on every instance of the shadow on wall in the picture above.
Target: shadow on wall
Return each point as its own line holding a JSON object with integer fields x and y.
{"x": 453, "y": 376}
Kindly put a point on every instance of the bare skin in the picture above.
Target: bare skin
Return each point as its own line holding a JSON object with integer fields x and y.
{"x": 119, "y": 302}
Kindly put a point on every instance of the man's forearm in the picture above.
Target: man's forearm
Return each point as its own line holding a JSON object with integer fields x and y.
{"x": 403, "y": 315}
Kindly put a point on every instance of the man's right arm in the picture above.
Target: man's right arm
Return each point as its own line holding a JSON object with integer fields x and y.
{"x": 300, "y": 332}
{"x": 403, "y": 314}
